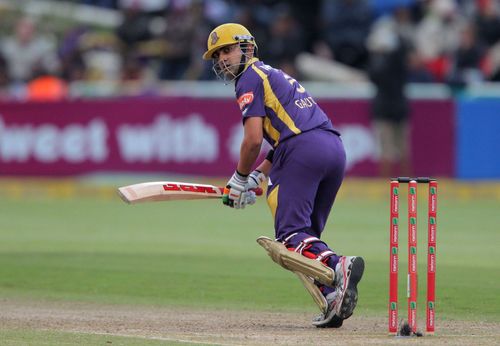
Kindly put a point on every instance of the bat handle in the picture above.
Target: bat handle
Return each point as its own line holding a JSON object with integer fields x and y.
{"x": 258, "y": 191}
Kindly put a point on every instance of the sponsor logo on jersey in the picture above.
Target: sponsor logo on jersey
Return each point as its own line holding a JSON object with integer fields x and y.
{"x": 245, "y": 99}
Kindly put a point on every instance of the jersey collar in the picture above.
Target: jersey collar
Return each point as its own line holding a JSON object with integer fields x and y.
{"x": 250, "y": 62}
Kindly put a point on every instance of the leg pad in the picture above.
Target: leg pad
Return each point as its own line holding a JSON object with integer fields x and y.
{"x": 314, "y": 291}
{"x": 295, "y": 262}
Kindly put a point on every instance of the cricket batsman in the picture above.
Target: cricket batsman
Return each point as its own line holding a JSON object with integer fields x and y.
{"x": 304, "y": 170}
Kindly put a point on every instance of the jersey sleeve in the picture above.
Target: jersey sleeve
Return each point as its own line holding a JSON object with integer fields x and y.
{"x": 250, "y": 96}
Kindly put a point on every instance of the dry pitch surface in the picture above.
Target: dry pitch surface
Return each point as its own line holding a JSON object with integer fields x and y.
{"x": 226, "y": 327}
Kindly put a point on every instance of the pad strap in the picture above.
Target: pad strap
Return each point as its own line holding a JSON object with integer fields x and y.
{"x": 296, "y": 262}
{"x": 304, "y": 248}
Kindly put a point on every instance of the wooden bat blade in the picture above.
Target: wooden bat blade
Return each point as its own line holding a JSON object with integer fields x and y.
{"x": 167, "y": 191}
{"x": 170, "y": 191}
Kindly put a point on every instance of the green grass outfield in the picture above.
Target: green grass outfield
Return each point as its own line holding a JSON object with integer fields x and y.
{"x": 70, "y": 242}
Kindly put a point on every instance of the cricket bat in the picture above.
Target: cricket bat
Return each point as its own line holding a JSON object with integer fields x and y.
{"x": 170, "y": 191}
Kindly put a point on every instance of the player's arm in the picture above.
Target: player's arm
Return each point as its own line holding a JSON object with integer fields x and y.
{"x": 266, "y": 165}
{"x": 250, "y": 146}
{"x": 260, "y": 174}
{"x": 236, "y": 193}
{"x": 250, "y": 96}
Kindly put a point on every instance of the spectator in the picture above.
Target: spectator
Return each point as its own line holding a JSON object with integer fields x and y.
{"x": 26, "y": 53}
{"x": 248, "y": 16}
{"x": 73, "y": 67}
{"x": 46, "y": 88}
{"x": 417, "y": 70}
{"x": 180, "y": 37}
{"x": 101, "y": 3}
{"x": 101, "y": 56}
{"x": 437, "y": 36}
{"x": 405, "y": 27}
{"x": 285, "y": 42}
{"x": 404, "y": 24}
{"x": 466, "y": 62}
{"x": 386, "y": 7}
{"x": 488, "y": 22}
{"x": 134, "y": 28}
{"x": 493, "y": 62}
{"x": 388, "y": 71}
{"x": 306, "y": 14}
{"x": 132, "y": 69}
{"x": 199, "y": 69}
{"x": 4, "y": 76}
{"x": 146, "y": 6}
{"x": 346, "y": 24}
{"x": 161, "y": 37}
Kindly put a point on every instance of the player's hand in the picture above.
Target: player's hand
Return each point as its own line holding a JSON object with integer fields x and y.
{"x": 250, "y": 198}
{"x": 235, "y": 193}
{"x": 255, "y": 179}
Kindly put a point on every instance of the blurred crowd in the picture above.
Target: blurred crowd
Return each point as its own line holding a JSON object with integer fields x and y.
{"x": 441, "y": 41}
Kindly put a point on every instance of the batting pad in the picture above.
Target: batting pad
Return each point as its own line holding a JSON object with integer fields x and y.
{"x": 295, "y": 262}
{"x": 306, "y": 269}
{"x": 314, "y": 291}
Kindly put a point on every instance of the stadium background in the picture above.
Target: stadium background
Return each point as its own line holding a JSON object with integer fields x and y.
{"x": 136, "y": 64}
{"x": 118, "y": 94}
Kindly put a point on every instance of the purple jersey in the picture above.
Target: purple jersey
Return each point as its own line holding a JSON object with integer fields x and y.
{"x": 287, "y": 108}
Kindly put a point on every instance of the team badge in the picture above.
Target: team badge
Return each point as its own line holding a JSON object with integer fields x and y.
{"x": 245, "y": 99}
{"x": 214, "y": 38}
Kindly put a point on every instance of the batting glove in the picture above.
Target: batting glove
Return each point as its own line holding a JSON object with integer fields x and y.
{"x": 255, "y": 179}
{"x": 235, "y": 193}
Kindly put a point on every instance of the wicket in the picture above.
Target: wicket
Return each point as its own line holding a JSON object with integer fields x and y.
{"x": 412, "y": 284}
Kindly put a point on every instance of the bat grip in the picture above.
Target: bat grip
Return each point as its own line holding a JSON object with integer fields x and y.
{"x": 258, "y": 191}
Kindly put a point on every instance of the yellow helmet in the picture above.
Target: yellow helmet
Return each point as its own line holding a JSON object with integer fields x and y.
{"x": 225, "y": 35}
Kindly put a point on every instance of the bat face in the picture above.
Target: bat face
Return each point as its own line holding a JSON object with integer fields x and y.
{"x": 167, "y": 191}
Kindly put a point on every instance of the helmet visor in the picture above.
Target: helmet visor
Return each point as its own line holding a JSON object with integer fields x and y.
{"x": 229, "y": 72}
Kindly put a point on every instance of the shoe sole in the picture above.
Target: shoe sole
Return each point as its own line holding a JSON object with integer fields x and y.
{"x": 335, "y": 322}
{"x": 350, "y": 298}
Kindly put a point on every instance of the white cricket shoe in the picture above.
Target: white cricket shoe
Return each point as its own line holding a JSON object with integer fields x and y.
{"x": 329, "y": 319}
{"x": 343, "y": 300}
{"x": 348, "y": 273}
